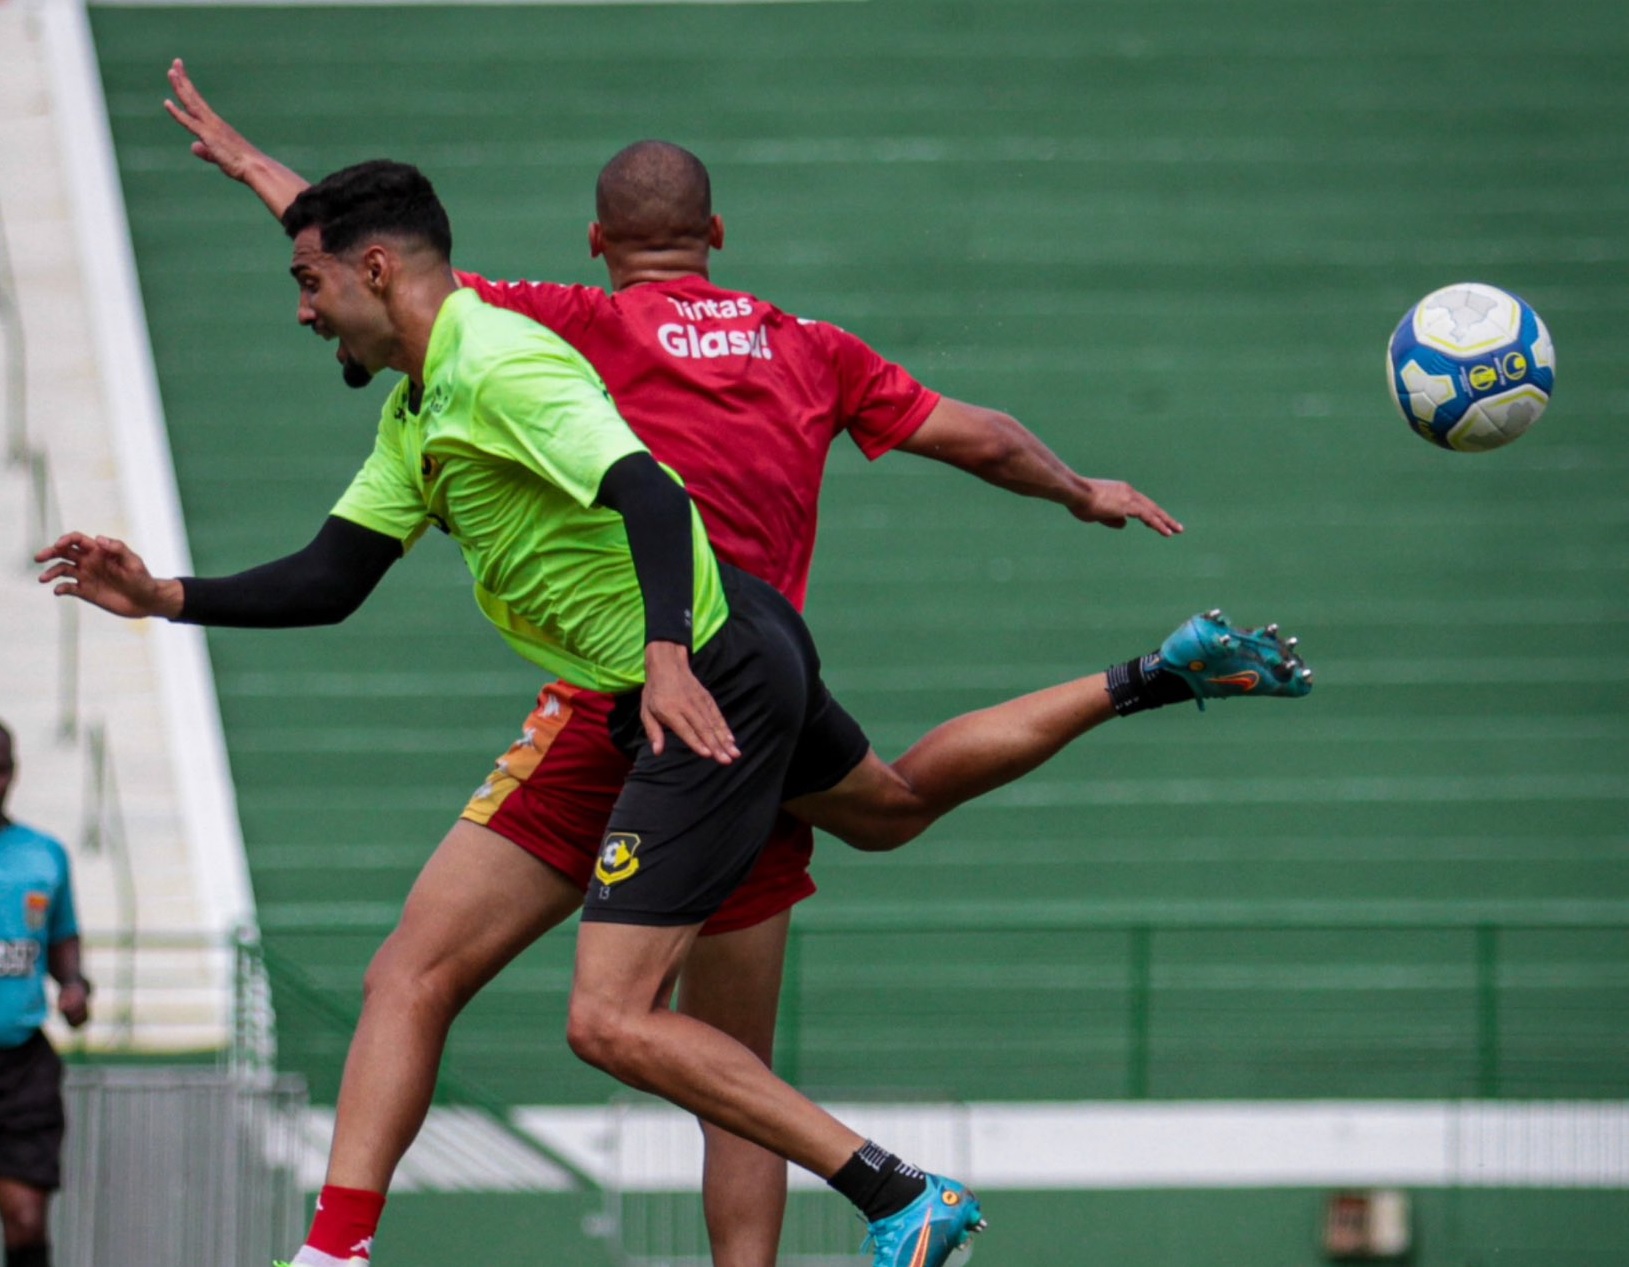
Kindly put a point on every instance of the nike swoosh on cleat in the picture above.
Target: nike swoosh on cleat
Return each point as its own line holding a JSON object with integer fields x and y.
{"x": 1249, "y": 679}
{"x": 924, "y": 1241}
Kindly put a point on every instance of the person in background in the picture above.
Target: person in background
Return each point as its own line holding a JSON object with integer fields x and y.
{"x": 38, "y": 934}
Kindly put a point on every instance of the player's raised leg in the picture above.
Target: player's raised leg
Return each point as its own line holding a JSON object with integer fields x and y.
{"x": 732, "y": 981}
{"x": 477, "y": 903}
{"x": 882, "y": 805}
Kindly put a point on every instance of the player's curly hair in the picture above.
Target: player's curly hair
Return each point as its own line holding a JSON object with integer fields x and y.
{"x": 379, "y": 198}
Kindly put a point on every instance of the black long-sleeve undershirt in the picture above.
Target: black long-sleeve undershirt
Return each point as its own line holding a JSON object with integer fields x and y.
{"x": 330, "y": 578}
{"x": 319, "y": 585}
{"x": 656, "y": 512}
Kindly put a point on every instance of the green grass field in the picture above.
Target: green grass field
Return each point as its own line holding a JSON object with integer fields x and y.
{"x": 1173, "y": 238}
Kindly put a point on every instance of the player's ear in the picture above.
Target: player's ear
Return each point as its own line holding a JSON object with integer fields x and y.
{"x": 596, "y": 240}
{"x": 376, "y": 267}
{"x": 715, "y": 233}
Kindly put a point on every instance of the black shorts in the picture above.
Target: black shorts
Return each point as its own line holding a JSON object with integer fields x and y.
{"x": 31, "y": 1114}
{"x": 686, "y": 830}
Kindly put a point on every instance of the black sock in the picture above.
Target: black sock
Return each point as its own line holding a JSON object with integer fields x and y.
{"x": 35, "y": 1255}
{"x": 1144, "y": 683}
{"x": 877, "y": 1182}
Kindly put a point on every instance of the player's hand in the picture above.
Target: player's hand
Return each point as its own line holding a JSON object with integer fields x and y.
{"x": 214, "y": 139}
{"x": 1114, "y": 504}
{"x": 107, "y": 574}
{"x": 675, "y": 699}
{"x": 73, "y": 1001}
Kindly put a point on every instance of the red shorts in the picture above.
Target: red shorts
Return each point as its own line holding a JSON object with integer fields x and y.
{"x": 552, "y": 794}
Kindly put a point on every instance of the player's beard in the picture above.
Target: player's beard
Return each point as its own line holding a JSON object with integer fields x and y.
{"x": 355, "y": 373}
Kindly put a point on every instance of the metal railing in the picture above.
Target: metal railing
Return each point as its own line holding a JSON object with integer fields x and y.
{"x": 44, "y": 515}
{"x": 15, "y": 357}
{"x": 104, "y": 836}
{"x": 1226, "y": 1000}
{"x": 45, "y": 526}
{"x": 177, "y": 991}
{"x": 1509, "y": 1017}
{"x": 254, "y": 1019}
{"x": 176, "y": 1165}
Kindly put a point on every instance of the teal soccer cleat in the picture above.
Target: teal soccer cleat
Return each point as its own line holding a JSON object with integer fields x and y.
{"x": 1217, "y": 660}
{"x": 927, "y": 1231}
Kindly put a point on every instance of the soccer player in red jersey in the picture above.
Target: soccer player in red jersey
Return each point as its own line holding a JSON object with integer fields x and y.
{"x": 744, "y": 401}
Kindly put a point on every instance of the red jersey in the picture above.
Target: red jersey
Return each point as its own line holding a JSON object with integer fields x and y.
{"x": 741, "y": 399}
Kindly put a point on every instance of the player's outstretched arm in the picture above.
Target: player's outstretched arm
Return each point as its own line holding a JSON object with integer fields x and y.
{"x": 106, "y": 573}
{"x": 218, "y": 142}
{"x": 1000, "y": 450}
{"x": 319, "y": 585}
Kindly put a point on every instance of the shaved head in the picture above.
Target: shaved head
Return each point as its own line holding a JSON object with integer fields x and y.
{"x": 655, "y": 194}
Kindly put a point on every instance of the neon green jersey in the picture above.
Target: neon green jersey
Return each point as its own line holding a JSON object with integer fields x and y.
{"x": 513, "y": 435}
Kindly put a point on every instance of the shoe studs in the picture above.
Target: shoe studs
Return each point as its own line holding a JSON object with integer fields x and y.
{"x": 1215, "y": 613}
{"x": 1271, "y": 631}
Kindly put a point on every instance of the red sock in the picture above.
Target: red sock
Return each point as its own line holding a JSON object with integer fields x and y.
{"x": 346, "y": 1220}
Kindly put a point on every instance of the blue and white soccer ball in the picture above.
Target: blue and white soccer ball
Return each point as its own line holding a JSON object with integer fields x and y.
{"x": 1471, "y": 367}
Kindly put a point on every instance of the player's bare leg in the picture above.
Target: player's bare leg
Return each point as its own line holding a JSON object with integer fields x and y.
{"x": 881, "y": 805}
{"x": 620, "y": 1023}
{"x": 22, "y": 1212}
{"x": 732, "y": 981}
{"x": 478, "y": 902}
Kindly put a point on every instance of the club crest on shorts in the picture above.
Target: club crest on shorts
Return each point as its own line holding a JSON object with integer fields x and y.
{"x": 617, "y": 860}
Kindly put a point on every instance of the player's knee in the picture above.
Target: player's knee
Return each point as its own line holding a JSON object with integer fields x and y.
{"x": 888, "y": 822}
{"x": 877, "y": 810}
{"x": 872, "y": 838}
{"x": 606, "y": 1038}
{"x": 22, "y": 1212}
{"x": 25, "y": 1223}
{"x": 586, "y": 1034}
{"x": 594, "y": 1035}
{"x": 395, "y": 981}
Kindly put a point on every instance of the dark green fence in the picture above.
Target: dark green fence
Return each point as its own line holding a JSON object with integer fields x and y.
{"x": 1058, "y": 1003}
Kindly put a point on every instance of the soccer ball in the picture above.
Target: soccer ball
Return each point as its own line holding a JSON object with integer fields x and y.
{"x": 1471, "y": 367}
